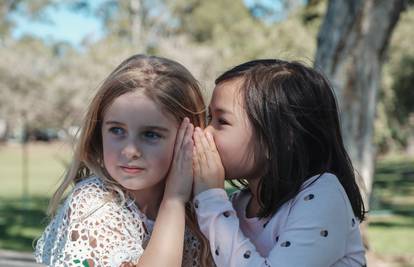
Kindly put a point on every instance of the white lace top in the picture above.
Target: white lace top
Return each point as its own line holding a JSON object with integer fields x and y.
{"x": 93, "y": 229}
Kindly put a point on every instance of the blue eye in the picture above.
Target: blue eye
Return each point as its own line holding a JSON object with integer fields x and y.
{"x": 152, "y": 135}
{"x": 117, "y": 131}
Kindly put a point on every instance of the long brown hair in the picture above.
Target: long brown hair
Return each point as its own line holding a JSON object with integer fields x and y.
{"x": 171, "y": 86}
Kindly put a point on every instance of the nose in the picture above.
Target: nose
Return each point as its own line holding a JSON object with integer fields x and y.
{"x": 131, "y": 151}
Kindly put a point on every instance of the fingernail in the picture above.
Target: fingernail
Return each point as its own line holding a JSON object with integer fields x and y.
{"x": 186, "y": 119}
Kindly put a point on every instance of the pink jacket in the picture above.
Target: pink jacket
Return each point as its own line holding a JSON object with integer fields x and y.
{"x": 317, "y": 228}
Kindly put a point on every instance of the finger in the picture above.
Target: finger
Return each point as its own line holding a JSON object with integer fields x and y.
{"x": 199, "y": 147}
{"x": 189, "y": 151}
{"x": 208, "y": 154}
{"x": 180, "y": 134}
{"x": 210, "y": 140}
{"x": 196, "y": 164}
{"x": 188, "y": 136}
{"x": 213, "y": 147}
{"x": 184, "y": 156}
{"x": 188, "y": 145}
{"x": 187, "y": 163}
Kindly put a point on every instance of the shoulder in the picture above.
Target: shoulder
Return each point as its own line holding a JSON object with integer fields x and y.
{"x": 89, "y": 190}
{"x": 318, "y": 223}
{"x": 321, "y": 198}
{"x": 92, "y": 222}
{"x": 91, "y": 185}
{"x": 323, "y": 187}
{"x": 89, "y": 196}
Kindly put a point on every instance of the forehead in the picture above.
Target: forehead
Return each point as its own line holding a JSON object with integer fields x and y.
{"x": 137, "y": 108}
{"x": 227, "y": 95}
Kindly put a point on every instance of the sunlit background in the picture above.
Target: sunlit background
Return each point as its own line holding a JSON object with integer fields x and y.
{"x": 54, "y": 54}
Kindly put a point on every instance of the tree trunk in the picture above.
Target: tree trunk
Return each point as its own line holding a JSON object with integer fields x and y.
{"x": 352, "y": 44}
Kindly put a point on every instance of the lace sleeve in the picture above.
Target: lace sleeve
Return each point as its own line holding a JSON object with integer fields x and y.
{"x": 92, "y": 231}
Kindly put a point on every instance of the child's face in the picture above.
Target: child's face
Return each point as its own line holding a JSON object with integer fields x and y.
{"x": 138, "y": 141}
{"x": 231, "y": 130}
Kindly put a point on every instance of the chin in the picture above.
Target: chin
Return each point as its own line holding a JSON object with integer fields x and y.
{"x": 131, "y": 186}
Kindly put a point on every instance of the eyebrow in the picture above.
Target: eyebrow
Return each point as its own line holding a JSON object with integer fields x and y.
{"x": 146, "y": 127}
{"x": 219, "y": 110}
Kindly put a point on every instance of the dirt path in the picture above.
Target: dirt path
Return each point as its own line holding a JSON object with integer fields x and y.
{"x": 10, "y": 258}
{"x": 376, "y": 260}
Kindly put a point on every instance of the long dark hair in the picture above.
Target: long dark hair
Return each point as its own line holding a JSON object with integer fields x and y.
{"x": 293, "y": 112}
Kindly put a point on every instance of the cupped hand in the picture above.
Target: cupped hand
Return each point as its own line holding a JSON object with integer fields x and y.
{"x": 180, "y": 177}
{"x": 207, "y": 165}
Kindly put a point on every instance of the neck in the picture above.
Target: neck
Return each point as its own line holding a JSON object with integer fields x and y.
{"x": 253, "y": 207}
{"x": 149, "y": 200}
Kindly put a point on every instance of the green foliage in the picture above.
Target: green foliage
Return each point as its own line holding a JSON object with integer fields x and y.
{"x": 20, "y": 224}
{"x": 208, "y": 37}
{"x": 403, "y": 89}
{"x": 396, "y": 100}
{"x": 212, "y": 20}
{"x": 235, "y": 35}
{"x": 391, "y": 219}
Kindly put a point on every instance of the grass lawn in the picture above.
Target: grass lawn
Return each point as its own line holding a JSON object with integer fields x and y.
{"x": 391, "y": 229}
{"x": 391, "y": 221}
{"x": 23, "y": 219}
{"x": 46, "y": 164}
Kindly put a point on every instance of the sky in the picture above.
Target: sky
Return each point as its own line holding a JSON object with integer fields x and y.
{"x": 62, "y": 24}
{"x": 72, "y": 27}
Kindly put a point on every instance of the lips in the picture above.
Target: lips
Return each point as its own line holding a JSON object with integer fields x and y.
{"x": 131, "y": 169}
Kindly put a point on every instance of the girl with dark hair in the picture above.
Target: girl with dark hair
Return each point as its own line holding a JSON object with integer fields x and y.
{"x": 274, "y": 126}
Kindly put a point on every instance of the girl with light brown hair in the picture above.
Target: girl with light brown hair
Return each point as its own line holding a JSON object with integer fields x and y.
{"x": 135, "y": 148}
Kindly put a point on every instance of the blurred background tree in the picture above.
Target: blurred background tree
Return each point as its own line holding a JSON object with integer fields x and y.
{"x": 352, "y": 46}
{"x": 46, "y": 83}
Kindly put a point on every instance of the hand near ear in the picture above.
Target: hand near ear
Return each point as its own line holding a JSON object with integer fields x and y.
{"x": 169, "y": 226}
{"x": 180, "y": 178}
{"x": 207, "y": 166}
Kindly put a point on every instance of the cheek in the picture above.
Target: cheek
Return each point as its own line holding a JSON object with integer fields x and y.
{"x": 228, "y": 148}
{"x": 109, "y": 150}
{"x": 221, "y": 144}
{"x": 235, "y": 154}
{"x": 230, "y": 143}
{"x": 164, "y": 155}
{"x": 110, "y": 161}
